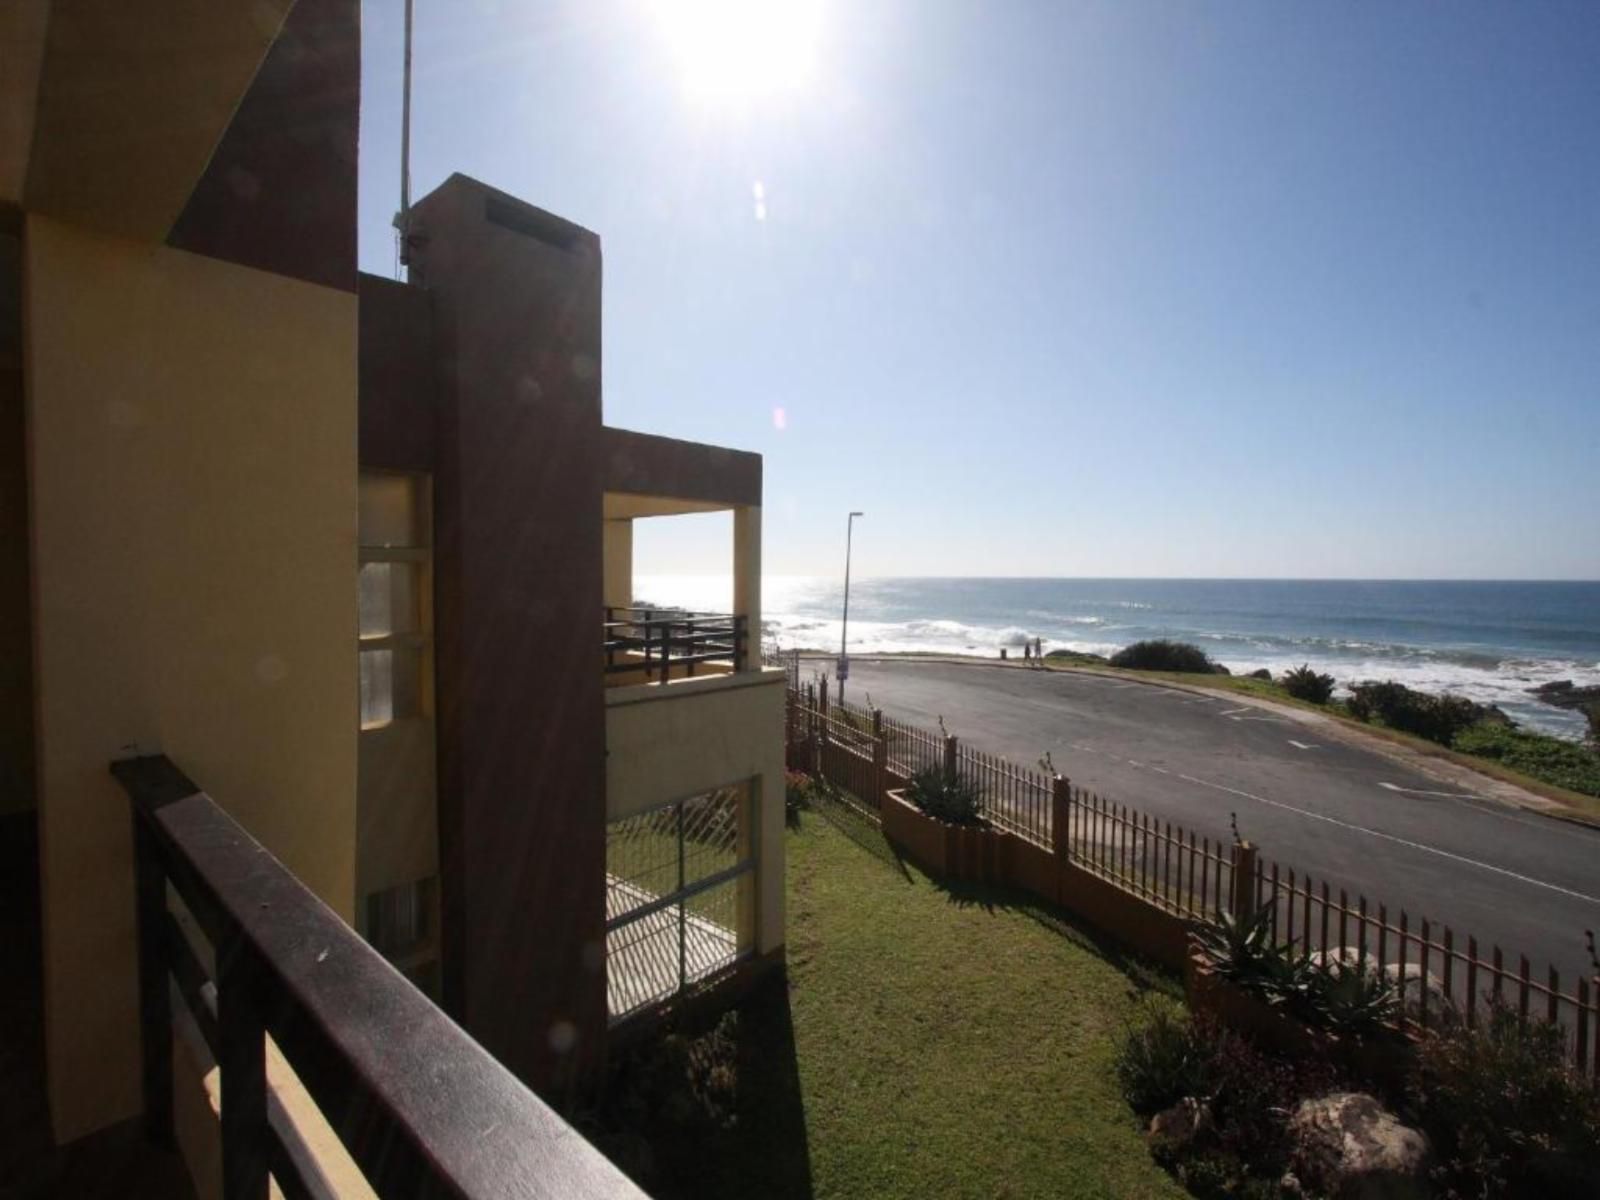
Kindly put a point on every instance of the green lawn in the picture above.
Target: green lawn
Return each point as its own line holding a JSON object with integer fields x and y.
{"x": 930, "y": 1045}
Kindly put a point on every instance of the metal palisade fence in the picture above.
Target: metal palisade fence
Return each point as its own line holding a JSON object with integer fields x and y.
{"x": 1440, "y": 974}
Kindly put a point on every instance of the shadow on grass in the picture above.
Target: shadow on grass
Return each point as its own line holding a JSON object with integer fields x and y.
{"x": 861, "y": 829}
{"x": 1144, "y": 973}
{"x": 712, "y": 1108}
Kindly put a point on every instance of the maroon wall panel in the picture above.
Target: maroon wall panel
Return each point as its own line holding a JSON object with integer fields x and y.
{"x": 518, "y": 562}
{"x": 280, "y": 191}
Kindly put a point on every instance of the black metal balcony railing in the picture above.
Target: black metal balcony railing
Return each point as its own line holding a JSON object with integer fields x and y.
{"x": 422, "y": 1109}
{"x": 660, "y": 641}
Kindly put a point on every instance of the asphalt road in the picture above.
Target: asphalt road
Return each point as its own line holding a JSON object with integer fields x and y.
{"x": 1530, "y": 884}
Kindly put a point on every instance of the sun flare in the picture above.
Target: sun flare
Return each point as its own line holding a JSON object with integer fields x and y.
{"x": 742, "y": 49}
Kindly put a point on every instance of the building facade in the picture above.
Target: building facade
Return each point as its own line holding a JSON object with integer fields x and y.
{"x": 355, "y": 553}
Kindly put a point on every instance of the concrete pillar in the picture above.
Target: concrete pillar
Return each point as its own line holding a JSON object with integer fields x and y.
{"x": 519, "y": 570}
{"x": 747, "y": 579}
{"x": 618, "y": 585}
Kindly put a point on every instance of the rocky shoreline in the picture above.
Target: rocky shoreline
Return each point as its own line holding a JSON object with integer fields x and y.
{"x": 1563, "y": 693}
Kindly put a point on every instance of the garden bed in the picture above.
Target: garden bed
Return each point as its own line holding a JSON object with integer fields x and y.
{"x": 976, "y": 853}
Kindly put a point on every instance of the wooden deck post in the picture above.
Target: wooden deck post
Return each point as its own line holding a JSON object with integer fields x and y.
{"x": 1243, "y": 898}
{"x": 1061, "y": 819}
{"x": 880, "y": 760}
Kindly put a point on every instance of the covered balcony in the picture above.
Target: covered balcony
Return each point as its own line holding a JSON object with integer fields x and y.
{"x": 694, "y": 741}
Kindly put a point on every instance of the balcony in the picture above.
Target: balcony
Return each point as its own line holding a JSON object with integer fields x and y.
{"x": 645, "y": 645}
{"x": 336, "y": 1074}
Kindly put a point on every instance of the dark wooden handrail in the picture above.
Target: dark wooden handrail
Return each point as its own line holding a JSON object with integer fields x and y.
{"x": 667, "y": 638}
{"x": 422, "y": 1108}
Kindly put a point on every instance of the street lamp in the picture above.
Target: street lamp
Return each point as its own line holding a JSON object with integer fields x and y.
{"x": 844, "y": 625}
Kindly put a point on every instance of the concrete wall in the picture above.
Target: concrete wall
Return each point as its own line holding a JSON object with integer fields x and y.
{"x": 192, "y": 432}
{"x": 664, "y": 743}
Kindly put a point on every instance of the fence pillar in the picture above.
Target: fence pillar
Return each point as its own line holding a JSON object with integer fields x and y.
{"x": 1243, "y": 898}
{"x": 822, "y": 695}
{"x": 1061, "y": 819}
{"x": 950, "y": 756}
{"x": 880, "y": 759}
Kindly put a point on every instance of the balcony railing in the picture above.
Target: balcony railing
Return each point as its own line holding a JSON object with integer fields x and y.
{"x": 663, "y": 643}
{"x": 422, "y": 1109}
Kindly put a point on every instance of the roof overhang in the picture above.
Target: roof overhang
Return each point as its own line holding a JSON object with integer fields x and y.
{"x": 130, "y": 101}
{"x": 650, "y": 476}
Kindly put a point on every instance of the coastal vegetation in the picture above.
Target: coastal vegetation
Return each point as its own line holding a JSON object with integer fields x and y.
{"x": 1439, "y": 718}
{"x": 1304, "y": 684}
{"x": 1506, "y": 1115}
{"x": 1159, "y": 654}
{"x": 1563, "y": 763}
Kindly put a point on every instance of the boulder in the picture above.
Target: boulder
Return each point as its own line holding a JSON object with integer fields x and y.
{"x": 1178, "y": 1127}
{"x": 1219, "y": 669}
{"x": 1414, "y": 983}
{"x": 1347, "y": 1146}
{"x": 1261, "y": 673}
{"x": 1564, "y": 694}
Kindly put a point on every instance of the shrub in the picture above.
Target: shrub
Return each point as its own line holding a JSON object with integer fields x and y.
{"x": 1437, "y": 718}
{"x": 1162, "y": 655}
{"x": 1305, "y": 684}
{"x": 1592, "y": 711}
{"x": 1164, "y": 1056}
{"x": 1552, "y": 759}
{"x": 1349, "y": 1001}
{"x": 1508, "y": 1116}
{"x": 945, "y": 797}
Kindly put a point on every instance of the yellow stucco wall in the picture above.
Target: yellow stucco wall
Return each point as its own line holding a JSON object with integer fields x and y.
{"x": 667, "y": 742}
{"x": 618, "y": 586}
{"x": 192, "y": 447}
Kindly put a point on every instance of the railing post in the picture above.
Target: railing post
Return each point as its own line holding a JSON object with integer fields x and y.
{"x": 155, "y": 1004}
{"x": 242, "y": 1057}
{"x": 1243, "y": 897}
{"x": 1061, "y": 819}
{"x": 951, "y": 752}
{"x": 822, "y": 695}
{"x": 880, "y": 759}
{"x": 740, "y": 642}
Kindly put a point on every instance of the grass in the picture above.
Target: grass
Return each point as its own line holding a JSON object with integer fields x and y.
{"x": 930, "y": 1044}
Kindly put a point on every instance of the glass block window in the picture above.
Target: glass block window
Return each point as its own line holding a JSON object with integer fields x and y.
{"x": 393, "y": 600}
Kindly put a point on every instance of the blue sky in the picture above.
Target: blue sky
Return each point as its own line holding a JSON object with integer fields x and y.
{"x": 1061, "y": 288}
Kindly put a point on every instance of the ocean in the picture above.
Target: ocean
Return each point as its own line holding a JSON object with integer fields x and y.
{"x": 1489, "y": 641}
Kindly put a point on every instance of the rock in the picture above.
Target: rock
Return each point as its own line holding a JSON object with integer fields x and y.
{"x": 1219, "y": 669}
{"x": 1347, "y": 1146}
{"x": 1414, "y": 983}
{"x": 1564, "y": 694}
{"x": 1345, "y": 958}
{"x": 1178, "y": 1127}
{"x": 1261, "y": 673}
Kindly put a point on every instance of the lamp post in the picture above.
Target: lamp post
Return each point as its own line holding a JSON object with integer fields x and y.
{"x": 844, "y": 625}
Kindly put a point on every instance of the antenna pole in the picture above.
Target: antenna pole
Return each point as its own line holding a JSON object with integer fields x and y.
{"x": 404, "y": 222}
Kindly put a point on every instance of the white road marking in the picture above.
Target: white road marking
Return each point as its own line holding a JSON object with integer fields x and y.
{"x": 1231, "y": 711}
{"x": 1389, "y": 837}
{"x": 1303, "y": 746}
{"x": 1395, "y": 787}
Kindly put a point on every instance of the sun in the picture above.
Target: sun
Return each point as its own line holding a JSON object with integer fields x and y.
{"x": 731, "y": 50}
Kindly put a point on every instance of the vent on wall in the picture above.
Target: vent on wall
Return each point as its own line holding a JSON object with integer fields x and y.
{"x": 530, "y": 222}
